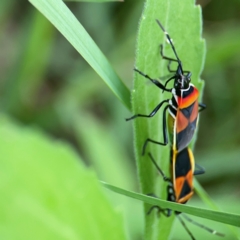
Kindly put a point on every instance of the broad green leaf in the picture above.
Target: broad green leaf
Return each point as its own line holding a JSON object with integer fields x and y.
{"x": 182, "y": 20}
{"x": 111, "y": 163}
{"x": 47, "y": 193}
{"x": 222, "y": 217}
{"x": 63, "y": 19}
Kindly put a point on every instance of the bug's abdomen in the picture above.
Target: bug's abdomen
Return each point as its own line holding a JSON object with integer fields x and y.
{"x": 183, "y": 167}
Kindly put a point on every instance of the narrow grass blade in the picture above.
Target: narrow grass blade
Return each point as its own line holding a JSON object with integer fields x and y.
{"x": 222, "y": 217}
{"x": 208, "y": 201}
{"x": 64, "y": 20}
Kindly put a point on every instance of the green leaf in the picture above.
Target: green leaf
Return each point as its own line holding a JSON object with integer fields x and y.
{"x": 47, "y": 193}
{"x": 110, "y": 164}
{"x": 222, "y": 217}
{"x": 208, "y": 201}
{"x": 182, "y": 20}
{"x": 64, "y": 20}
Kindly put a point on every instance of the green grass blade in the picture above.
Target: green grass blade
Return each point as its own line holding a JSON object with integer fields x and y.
{"x": 208, "y": 201}
{"x": 47, "y": 193}
{"x": 182, "y": 20}
{"x": 222, "y": 217}
{"x": 64, "y": 20}
{"x": 204, "y": 196}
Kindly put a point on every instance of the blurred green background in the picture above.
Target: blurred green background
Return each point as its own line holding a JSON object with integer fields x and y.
{"x": 46, "y": 83}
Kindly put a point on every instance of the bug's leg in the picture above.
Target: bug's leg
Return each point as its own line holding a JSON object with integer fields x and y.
{"x": 167, "y": 58}
{"x": 202, "y": 107}
{"x": 203, "y": 226}
{"x": 186, "y": 228}
{"x": 152, "y": 208}
{"x": 165, "y": 136}
{"x": 198, "y": 171}
{"x": 155, "y": 206}
{"x": 164, "y": 211}
{"x": 171, "y": 43}
{"x": 151, "y": 114}
{"x": 169, "y": 67}
{"x": 152, "y": 195}
{"x": 169, "y": 64}
{"x": 165, "y": 178}
{"x": 154, "y": 81}
{"x": 166, "y": 83}
{"x": 170, "y": 61}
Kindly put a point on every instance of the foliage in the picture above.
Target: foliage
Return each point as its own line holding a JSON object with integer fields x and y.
{"x": 45, "y": 195}
{"x": 57, "y": 116}
{"x": 191, "y": 50}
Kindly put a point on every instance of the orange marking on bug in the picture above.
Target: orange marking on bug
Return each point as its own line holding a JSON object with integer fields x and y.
{"x": 182, "y": 121}
{"x": 194, "y": 113}
{"x": 189, "y": 179}
{"x": 185, "y": 198}
{"x": 189, "y": 100}
{"x": 178, "y": 187}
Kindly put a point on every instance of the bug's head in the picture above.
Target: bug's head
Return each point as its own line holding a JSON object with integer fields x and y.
{"x": 182, "y": 81}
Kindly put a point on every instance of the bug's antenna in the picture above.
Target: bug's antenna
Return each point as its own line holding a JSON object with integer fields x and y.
{"x": 170, "y": 41}
{"x": 203, "y": 226}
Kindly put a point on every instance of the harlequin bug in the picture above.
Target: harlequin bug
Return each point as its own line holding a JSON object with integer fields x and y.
{"x": 183, "y": 107}
{"x": 180, "y": 185}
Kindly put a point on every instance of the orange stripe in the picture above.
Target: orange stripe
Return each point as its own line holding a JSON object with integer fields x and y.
{"x": 188, "y": 100}
{"x": 185, "y": 198}
{"x": 178, "y": 186}
{"x": 179, "y": 182}
{"x": 182, "y": 121}
{"x": 189, "y": 178}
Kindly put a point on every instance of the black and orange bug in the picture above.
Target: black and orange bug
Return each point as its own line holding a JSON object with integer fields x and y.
{"x": 180, "y": 185}
{"x": 183, "y": 107}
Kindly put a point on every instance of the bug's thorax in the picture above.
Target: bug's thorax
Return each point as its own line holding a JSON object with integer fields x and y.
{"x": 185, "y": 96}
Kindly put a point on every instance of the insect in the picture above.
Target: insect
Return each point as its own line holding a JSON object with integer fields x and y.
{"x": 180, "y": 185}
{"x": 183, "y": 107}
